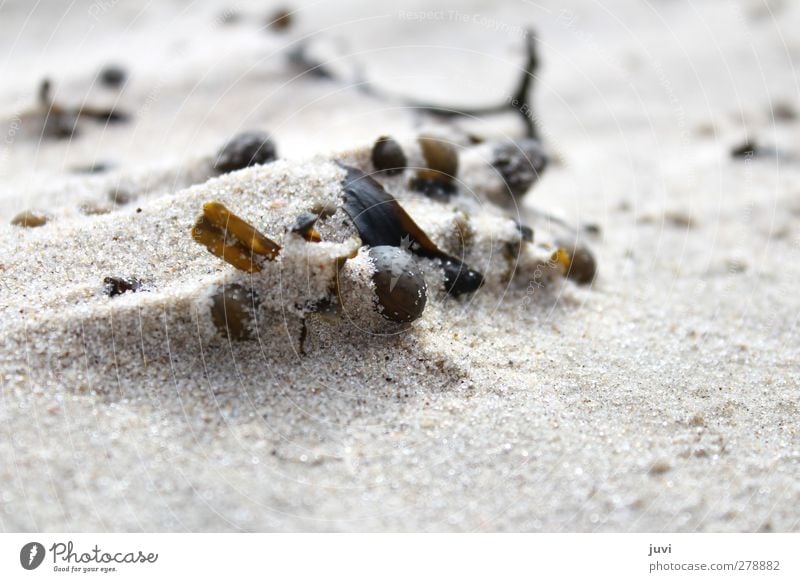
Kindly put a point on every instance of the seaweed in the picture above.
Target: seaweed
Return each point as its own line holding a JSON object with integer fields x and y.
{"x": 380, "y": 220}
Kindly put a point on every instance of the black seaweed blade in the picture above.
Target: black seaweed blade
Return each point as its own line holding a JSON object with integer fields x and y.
{"x": 373, "y": 210}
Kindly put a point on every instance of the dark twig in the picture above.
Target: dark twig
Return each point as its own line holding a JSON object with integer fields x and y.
{"x": 518, "y": 101}
{"x": 61, "y": 121}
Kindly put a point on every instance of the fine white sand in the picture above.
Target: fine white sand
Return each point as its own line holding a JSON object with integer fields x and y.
{"x": 664, "y": 397}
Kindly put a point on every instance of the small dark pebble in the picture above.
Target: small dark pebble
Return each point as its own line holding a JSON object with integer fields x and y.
{"x": 233, "y": 311}
{"x": 520, "y": 163}
{"x": 29, "y": 219}
{"x": 399, "y": 284}
{"x": 441, "y": 159}
{"x": 583, "y": 266}
{"x": 114, "y": 286}
{"x": 120, "y": 196}
{"x": 280, "y": 20}
{"x": 388, "y": 156}
{"x": 113, "y": 116}
{"x": 45, "y": 94}
{"x": 526, "y": 232}
{"x": 434, "y": 189}
{"x": 93, "y": 209}
{"x": 96, "y": 168}
{"x": 300, "y": 59}
{"x": 783, "y": 111}
{"x": 304, "y": 226}
{"x": 592, "y": 228}
{"x": 249, "y": 148}
{"x": 745, "y": 150}
{"x": 679, "y": 219}
{"x": 659, "y": 468}
{"x": 460, "y": 279}
{"x": 750, "y": 150}
{"x": 60, "y": 124}
{"x": 437, "y": 179}
{"x": 305, "y": 221}
{"x": 113, "y": 76}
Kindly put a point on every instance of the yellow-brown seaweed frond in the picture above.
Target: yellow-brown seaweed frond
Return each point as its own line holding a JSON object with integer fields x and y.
{"x": 232, "y": 239}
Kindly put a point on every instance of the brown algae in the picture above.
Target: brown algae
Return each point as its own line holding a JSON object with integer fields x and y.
{"x": 232, "y": 239}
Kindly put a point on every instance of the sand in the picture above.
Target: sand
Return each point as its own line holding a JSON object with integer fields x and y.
{"x": 663, "y": 397}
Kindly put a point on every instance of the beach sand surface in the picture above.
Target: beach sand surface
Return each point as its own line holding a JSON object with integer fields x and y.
{"x": 663, "y": 397}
